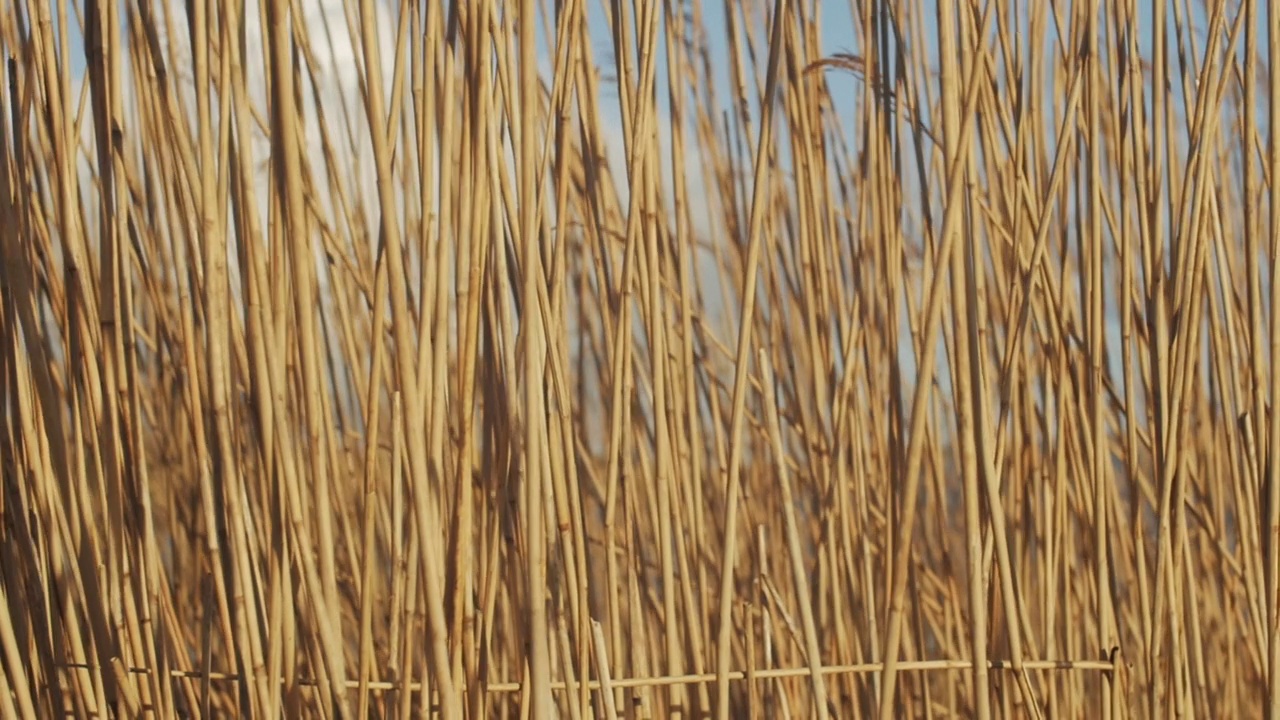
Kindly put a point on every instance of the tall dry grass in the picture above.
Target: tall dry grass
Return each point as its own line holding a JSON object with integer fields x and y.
{"x": 927, "y": 379}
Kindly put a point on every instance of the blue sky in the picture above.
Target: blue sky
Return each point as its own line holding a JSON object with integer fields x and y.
{"x": 837, "y": 36}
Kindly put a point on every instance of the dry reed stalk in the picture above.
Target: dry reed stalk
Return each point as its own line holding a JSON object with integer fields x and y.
{"x": 436, "y": 359}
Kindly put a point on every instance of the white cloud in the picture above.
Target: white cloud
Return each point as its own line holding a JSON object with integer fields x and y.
{"x": 335, "y": 46}
{"x": 332, "y": 86}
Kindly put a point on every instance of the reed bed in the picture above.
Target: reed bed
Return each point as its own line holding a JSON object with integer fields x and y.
{"x": 639, "y": 359}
